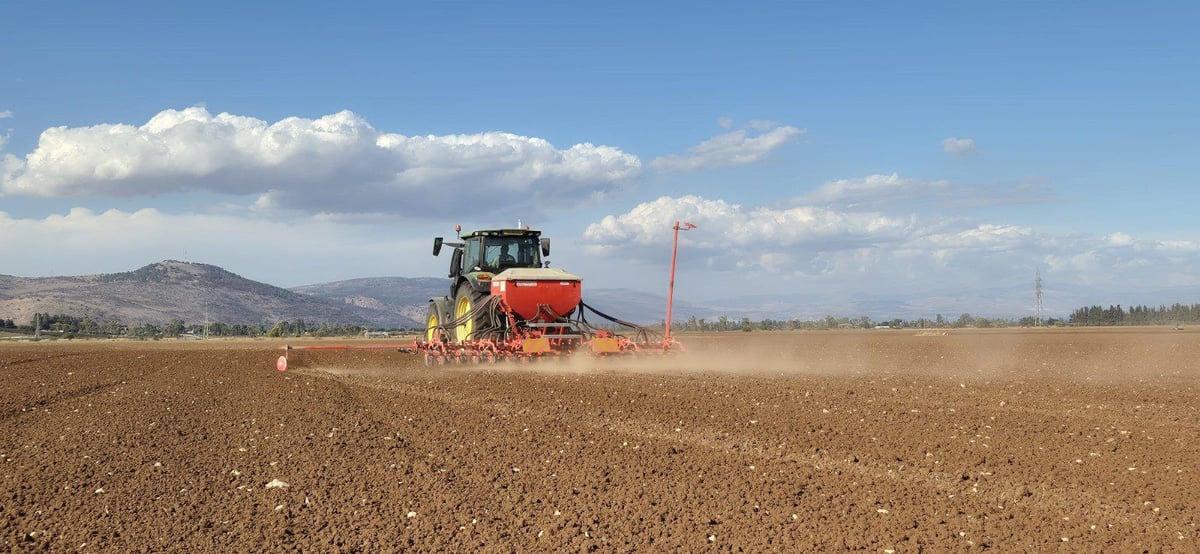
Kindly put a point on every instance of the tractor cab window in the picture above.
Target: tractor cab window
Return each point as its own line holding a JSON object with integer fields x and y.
{"x": 472, "y": 257}
{"x": 501, "y": 253}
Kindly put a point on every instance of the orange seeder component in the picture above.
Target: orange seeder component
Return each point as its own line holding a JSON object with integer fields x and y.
{"x": 526, "y": 297}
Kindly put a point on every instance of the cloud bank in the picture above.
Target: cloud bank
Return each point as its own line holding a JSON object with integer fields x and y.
{"x": 739, "y": 236}
{"x": 738, "y": 147}
{"x": 959, "y": 147}
{"x": 879, "y": 191}
{"x": 336, "y": 163}
{"x": 870, "y": 250}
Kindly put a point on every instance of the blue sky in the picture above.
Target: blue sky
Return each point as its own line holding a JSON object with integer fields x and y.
{"x": 916, "y": 151}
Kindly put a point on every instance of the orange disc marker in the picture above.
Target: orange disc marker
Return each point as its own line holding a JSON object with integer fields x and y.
{"x": 281, "y": 363}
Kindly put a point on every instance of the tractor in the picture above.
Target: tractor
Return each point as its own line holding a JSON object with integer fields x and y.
{"x": 506, "y": 302}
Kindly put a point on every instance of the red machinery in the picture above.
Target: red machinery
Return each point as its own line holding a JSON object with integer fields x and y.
{"x": 506, "y": 303}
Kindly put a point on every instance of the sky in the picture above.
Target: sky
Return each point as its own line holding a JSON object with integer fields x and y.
{"x": 934, "y": 154}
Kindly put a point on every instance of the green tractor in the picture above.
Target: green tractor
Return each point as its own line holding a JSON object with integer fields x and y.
{"x": 468, "y": 313}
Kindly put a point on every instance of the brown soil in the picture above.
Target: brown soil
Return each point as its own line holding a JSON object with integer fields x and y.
{"x": 877, "y": 441}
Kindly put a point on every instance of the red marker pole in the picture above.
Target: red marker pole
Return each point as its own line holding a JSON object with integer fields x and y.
{"x": 671, "y": 287}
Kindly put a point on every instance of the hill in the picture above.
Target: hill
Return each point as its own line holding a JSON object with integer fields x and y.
{"x": 399, "y": 298}
{"x": 169, "y": 290}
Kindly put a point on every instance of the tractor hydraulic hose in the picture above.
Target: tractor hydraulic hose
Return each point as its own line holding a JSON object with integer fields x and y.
{"x": 611, "y": 318}
{"x": 642, "y": 333}
{"x": 487, "y": 305}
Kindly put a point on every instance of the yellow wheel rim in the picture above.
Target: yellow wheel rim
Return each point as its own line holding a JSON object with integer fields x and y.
{"x": 431, "y": 331}
{"x": 461, "y": 309}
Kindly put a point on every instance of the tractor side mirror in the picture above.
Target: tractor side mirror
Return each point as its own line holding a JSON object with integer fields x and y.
{"x": 545, "y": 247}
{"x": 437, "y": 246}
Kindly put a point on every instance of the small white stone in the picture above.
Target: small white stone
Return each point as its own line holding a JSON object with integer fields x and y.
{"x": 279, "y": 507}
{"x": 712, "y": 538}
{"x": 882, "y": 511}
{"x": 100, "y": 490}
{"x": 157, "y": 464}
{"x": 414, "y": 514}
{"x": 277, "y": 484}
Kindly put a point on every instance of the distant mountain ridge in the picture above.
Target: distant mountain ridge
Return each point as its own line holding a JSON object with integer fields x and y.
{"x": 195, "y": 292}
{"x": 385, "y": 297}
{"x": 169, "y": 290}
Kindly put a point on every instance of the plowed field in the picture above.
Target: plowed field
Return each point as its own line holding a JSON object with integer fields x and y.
{"x": 880, "y": 441}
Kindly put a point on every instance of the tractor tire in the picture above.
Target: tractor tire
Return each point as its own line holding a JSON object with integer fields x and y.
{"x": 465, "y": 300}
{"x": 434, "y": 321}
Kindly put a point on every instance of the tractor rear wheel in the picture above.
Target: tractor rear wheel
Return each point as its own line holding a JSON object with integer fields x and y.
{"x": 434, "y": 332}
{"x": 465, "y": 301}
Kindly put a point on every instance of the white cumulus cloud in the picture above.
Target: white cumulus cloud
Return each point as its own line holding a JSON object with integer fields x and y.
{"x": 1120, "y": 239}
{"x": 886, "y": 254}
{"x": 337, "y": 163}
{"x": 738, "y": 147}
{"x": 880, "y": 190}
{"x": 6, "y": 114}
{"x": 959, "y": 147}
{"x": 732, "y": 235}
{"x": 872, "y": 189}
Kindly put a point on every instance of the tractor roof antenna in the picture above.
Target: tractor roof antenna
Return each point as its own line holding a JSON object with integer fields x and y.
{"x": 520, "y": 225}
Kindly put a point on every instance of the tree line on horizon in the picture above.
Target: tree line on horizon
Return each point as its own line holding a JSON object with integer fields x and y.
{"x": 71, "y": 326}
{"x": 68, "y": 326}
{"x": 1175, "y": 314}
{"x": 725, "y": 323}
{"x": 1090, "y": 316}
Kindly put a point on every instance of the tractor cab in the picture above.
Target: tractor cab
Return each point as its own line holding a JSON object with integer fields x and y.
{"x": 494, "y": 253}
{"x": 483, "y": 254}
